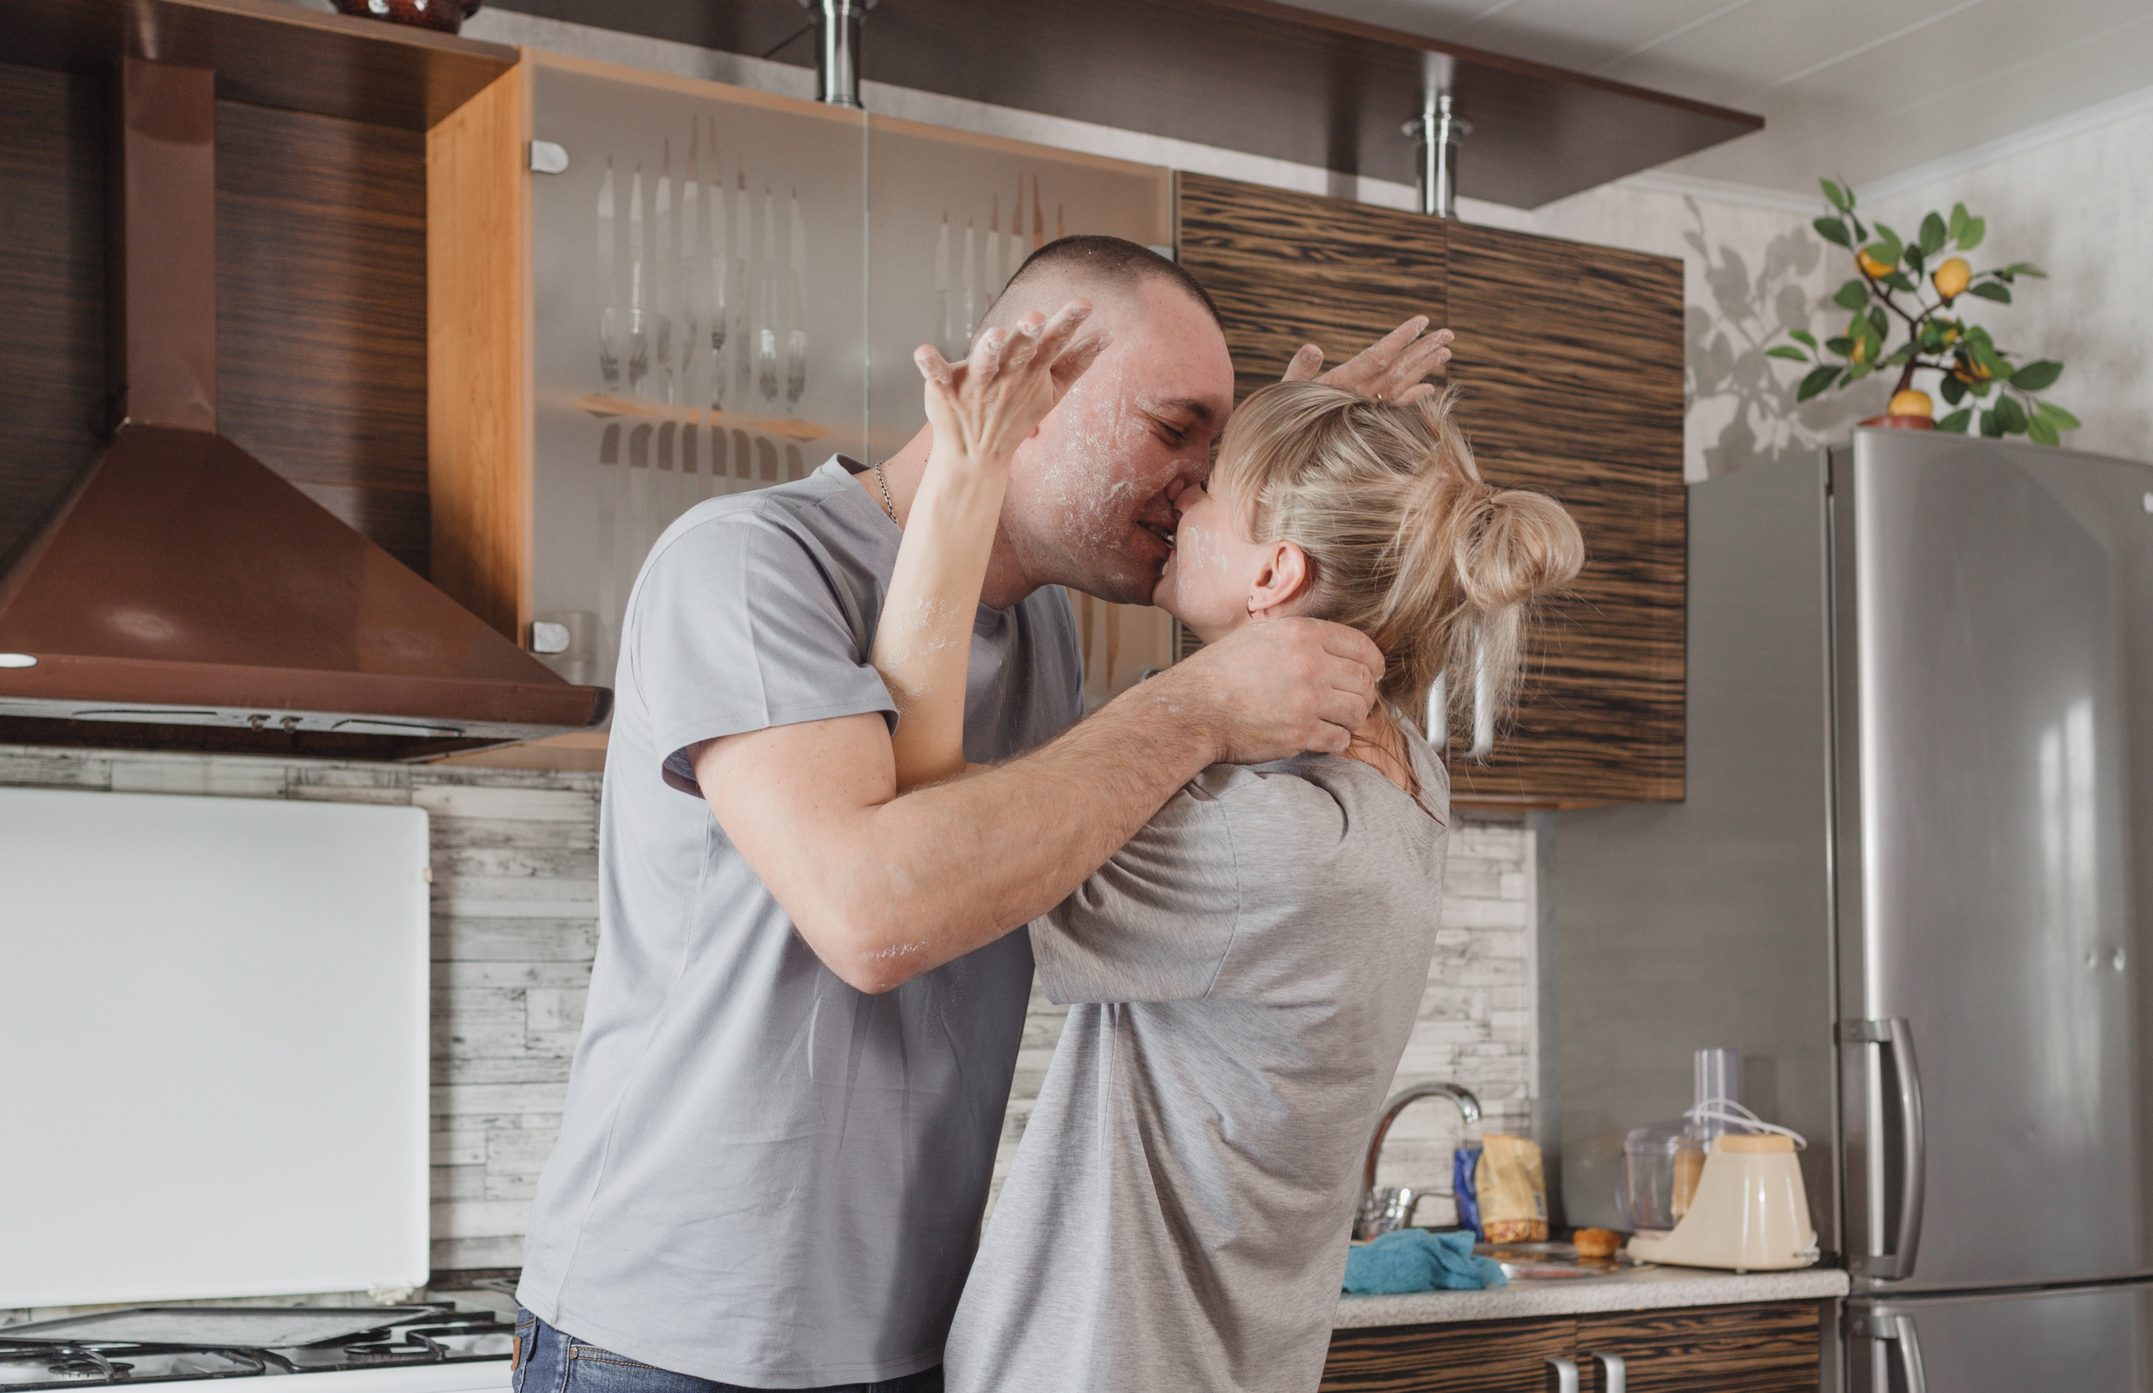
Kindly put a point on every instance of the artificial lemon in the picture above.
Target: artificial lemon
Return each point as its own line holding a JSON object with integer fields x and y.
{"x": 1872, "y": 265}
{"x": 1859, "y": 352}
{"x": 1911, "y": 403}
{"x": 1952, "y": 276}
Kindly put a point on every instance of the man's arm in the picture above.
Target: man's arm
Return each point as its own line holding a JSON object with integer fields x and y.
{"x": 884, "y": 887}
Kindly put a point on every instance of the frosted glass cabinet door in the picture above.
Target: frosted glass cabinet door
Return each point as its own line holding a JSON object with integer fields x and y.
{"x": 698, "y": 321}
{"x": 951, "y": 216}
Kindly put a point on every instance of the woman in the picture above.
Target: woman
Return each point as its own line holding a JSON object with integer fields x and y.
{"x": 1243, "y": 975}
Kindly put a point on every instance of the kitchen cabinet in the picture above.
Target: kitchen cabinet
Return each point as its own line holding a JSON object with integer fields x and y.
{"x": 687, "y": 289}
{"x": 1773, "y": 1347}
{"x": 1569, "y": 362}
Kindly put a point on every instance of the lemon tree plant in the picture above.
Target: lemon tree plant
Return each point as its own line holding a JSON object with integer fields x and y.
{"x": 1989, "y": 390}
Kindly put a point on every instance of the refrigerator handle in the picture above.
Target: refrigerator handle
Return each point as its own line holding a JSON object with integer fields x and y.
{"x": 1892, "y": 1033}
{"x": 1897, "y": 1329}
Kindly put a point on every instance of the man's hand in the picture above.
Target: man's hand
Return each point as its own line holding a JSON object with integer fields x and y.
{"x": 1276, "y": 689}
{"x": 1393, "y": 368}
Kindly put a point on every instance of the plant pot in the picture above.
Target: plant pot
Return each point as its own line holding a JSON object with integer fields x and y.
{"x": 1902, "y": 422}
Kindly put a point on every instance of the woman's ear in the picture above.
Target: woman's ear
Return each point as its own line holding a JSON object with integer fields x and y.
{"x": 1284, "y": 579}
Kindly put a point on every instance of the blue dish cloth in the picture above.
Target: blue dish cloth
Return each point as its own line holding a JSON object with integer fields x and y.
{"x": 1407, "y": 1260}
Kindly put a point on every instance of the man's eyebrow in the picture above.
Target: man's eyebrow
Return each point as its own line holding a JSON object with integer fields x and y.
{"x": 1201, "y": 410}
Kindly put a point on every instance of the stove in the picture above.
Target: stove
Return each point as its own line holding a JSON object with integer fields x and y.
{"x": 437, "y": 1348}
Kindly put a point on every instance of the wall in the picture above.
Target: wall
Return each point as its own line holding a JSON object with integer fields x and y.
{"x": 515, "y": 865}
{"x": 2074, "y": 200}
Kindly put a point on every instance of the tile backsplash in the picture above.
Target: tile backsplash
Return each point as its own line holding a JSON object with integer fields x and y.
{"x": 515, "y": 859}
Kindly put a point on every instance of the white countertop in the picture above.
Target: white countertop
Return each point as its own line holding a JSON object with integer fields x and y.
{"x": 1655, "y": 1288}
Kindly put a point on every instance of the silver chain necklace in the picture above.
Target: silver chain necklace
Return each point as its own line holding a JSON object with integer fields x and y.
{"x": 889, "y": 504}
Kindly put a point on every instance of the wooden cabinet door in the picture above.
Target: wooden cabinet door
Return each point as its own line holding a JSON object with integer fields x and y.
{"x": 1507, "y": 1356}
{"x": 1772, "y": 1348}
{"x": 1292, "y": 268}
{"x": 1569, "y": 358}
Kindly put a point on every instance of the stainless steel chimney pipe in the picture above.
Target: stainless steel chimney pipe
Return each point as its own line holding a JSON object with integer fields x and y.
{"x": 1435, "y": 133}
{"x": 837, "y": 49}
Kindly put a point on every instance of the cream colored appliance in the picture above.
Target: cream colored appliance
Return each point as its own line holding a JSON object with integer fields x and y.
{"x": 1750, "y": 1212}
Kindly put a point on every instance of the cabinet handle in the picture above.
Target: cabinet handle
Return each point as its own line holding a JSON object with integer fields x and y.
{"x": 1614, "y": 1373}
{"x": 1562, "y": 1375}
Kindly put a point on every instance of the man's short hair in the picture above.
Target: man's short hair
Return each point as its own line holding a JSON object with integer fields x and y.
{"x": 1114, "y": 261}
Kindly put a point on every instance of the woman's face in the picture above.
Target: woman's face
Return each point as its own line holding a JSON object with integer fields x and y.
{"x": 1211, "y": 577}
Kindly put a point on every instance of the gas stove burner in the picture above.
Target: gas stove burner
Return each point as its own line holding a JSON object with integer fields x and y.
{"x": 429, "y": 1343}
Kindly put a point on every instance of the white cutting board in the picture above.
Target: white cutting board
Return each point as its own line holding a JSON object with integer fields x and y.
{"x": 213, "y": 1047}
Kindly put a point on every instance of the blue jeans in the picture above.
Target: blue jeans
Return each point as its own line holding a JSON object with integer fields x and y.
{"x": 552, "y": 1361}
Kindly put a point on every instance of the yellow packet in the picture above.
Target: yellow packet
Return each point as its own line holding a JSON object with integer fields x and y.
{"x": 1512, "y": 1187}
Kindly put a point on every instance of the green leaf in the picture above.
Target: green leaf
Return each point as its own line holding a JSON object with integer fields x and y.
{"x": 1970, "y": 236}
{"x": 1861, "y": 233}
{"x": 2036, "y": 377}
{"x": 1956, "y": 420}
{"x": 1990, "y": 290}
{"x": 1981, "y": 389}
{"x": 1890, "y": 240}
{"x": 1958, "y": 220}
{"x": 1815, "y": 382}
{"x": 2041, "y": 432}
{"x": 1786, "y": 351}
{"x": 2056, "y": 416}
{"x": 1841, "y": 345}
{"x": 1913, "y": 259}
{"x": 1837, "y": 195}
{"x": 1896, "y": 280}
{"x": 1833, "y": 230}
{"x": 2024, "y": 268}
{"x": 1990, "y": 426}
{"x": 1880, "y": 324}
{"x": 1852, "y": 296}
{"x": 1803, "y": 336}
{"x": 2010, "y": 415}
{"x": 1953, "y": 390}
{"x": 1933, "y": 234}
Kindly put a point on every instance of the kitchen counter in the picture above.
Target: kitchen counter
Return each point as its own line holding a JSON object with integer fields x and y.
{"x": 1655, "y": 1288}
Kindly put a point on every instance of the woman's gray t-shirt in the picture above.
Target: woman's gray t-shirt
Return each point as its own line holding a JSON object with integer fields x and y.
{"x": 1243, "y": 976}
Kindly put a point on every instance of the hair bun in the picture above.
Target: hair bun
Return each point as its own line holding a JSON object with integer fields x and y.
{"x": 1517, "y": 544}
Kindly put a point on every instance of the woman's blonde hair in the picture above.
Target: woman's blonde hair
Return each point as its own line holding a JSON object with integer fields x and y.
{"x": 1404, "y": 539}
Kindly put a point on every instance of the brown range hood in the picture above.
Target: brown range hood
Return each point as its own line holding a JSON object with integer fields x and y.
{"x": 186, "y": 596}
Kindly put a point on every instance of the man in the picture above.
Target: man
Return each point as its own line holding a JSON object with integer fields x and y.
{"x": 806, "y": 1005}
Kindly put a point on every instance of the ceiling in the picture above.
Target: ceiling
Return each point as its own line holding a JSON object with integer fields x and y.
{"x": 1860, "y": 89}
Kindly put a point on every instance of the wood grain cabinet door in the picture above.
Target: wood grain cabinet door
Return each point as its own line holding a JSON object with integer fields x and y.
{"x": 1508, "y": 1356}
{"x": 1569, "y": 358}
{"x": 1758, "y": 1349}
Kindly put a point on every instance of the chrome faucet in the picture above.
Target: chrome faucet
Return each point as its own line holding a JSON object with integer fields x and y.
{"x": 1392, "y": 1206}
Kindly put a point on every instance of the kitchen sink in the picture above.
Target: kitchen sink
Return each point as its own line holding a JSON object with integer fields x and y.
{"x": 1556, "y": 1262}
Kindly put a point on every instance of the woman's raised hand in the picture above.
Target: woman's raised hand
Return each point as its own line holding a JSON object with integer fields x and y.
{"x": 984, "y": 407}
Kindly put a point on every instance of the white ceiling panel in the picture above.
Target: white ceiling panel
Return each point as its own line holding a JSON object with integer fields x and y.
{"x": 1863, "y": 88}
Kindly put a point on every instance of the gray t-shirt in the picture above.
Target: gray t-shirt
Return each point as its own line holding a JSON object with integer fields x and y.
{"x": 1243, "y": 976}
{"x": 765, "y": 1177}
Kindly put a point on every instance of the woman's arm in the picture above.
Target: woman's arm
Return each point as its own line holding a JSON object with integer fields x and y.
{"x": 981, "y": 410}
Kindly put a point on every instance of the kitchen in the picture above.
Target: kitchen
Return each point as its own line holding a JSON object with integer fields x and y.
{"x": 461, "y": 301}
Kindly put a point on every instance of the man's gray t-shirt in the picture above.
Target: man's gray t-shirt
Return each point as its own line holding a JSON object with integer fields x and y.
{"x": 1243, "y": 976}
{"x": 765, "y": 1177}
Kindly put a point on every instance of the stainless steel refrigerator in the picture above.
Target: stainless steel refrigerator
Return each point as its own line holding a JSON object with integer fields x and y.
{"x": 1912, "y": 882}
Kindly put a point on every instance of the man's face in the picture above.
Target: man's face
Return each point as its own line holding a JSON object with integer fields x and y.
{"x": 1091, "y": 496}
